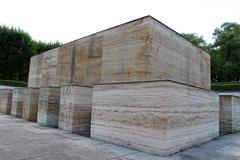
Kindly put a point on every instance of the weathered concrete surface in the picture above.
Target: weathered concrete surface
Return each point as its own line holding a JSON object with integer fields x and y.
{"x": 235, "y": 93}
{"x": 75, "y": 109}
{"x": 30, "y": 104}
{"x": 229, "y": 114}
{"x": 17, "y": 102}
{"x": 6, "y": 87}
{"x": 48, "y": 106}
{"x": 5, "y": 100}
{"x": 143, "y": 49}
{"x": 160, "y": 117}
{"x": 24, "y": 140}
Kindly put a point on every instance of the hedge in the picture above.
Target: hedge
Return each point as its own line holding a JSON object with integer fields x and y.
{"x": 226, "y": 86}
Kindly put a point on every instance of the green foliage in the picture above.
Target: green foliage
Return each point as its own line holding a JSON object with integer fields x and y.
{"x": 226, "y": 86}
{"x": 196, "y": 39}
{"x": 40, "y": 47}
{"x": 15, "y": 52}
{"x": 16, "y": 48}
{"x": 13, "y": 83}
{"x": 225, "y": 52}
{"x": 226, "y": 49}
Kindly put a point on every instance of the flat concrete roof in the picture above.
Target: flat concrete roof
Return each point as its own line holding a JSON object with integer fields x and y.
{"x": 20, "y": 139}
{"x": 141, "y": 18}
{"x": 6, "y": 87}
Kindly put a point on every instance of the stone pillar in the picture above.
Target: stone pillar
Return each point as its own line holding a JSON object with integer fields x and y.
{"x": 30, "y": 104}
{"x": 75, "y": 109}
{"x": 5, "y": 101}
{"x": 17, "y": 102}
{"x": 229, "y": 117}
{"x": 48, "y": 106}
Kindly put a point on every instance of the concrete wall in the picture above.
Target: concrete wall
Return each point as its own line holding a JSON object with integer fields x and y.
{"x": 160, "y": 117}
{"x": 48, "y": 106}
{"x": 232, "y": 93}
{"x": 17, "y": 102}
{"x": 143, "y": 49}
{"x": 6, "y": 87}
{"x": 30, "y": 104}
{"x": 229, "y": 114}
{"x": 75, "y": 109}
{"x": 5, "y": 100}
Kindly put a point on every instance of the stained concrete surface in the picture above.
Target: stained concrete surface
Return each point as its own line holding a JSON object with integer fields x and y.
{"x": 6, "y": 87}
{"x": 24, "y": 140}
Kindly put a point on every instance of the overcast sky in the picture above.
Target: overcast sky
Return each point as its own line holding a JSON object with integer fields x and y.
{"x": 67, "y": 20}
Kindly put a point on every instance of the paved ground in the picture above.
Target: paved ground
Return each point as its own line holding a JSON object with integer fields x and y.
{"x": 24, "y": 140}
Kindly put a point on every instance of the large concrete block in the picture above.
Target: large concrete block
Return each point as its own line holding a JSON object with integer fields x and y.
{"x": 48, "y": 106}
{"x": 231, "y": 93}
{"x": 229, "y": 117}
{"x": 160, "y": 117}
{"x": 34, "y": 75}
{"x": 75, "y": 109}
{"x": 143, "y": 49}
{"x": 5, "y": 100}
{"x": 17, "y": 102}
{"x": 49, "y": 76}
{"x": 30, "y": 104}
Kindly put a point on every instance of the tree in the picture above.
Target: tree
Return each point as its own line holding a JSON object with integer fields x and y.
{"x": 40, "y": 47}
{"x": 15, "y": 51}
{"x": 226, "y": 50}
{"x": 196, "y": 39}
{"x": 16, "y": 48}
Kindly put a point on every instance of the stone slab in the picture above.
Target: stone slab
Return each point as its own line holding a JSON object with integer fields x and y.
{"x": 48, "y": 106}
{"x": 5, "y": 100}
{"x": 232, "y": 93}
{"x": 17, "y": 102}
{"x": 75, "y": 109}
{"x": 229, "y": 114}
{"x": 30, "y": 104}
{"x": 160, "y": 117}
{"x": 140, "y": 50}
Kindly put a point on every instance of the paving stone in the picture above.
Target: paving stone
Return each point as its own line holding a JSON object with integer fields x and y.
{"x": 23, "y": 141}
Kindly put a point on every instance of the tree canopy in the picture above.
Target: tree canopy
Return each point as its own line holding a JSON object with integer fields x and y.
{"x": 16, "y": 48}
{"x": 224, "y": 51}
{"x": 196, "y": 39}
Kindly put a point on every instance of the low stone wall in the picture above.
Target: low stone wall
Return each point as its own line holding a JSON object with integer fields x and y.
{"x": 75, "y": 109}
{"x": 229, "y": 114}
{"x": 30, "y": 104}
{"x": 5, "y": 100}
{"x": 48, "y": 106}
{"x": 160, "y": 117}
{"x": 17, "y": 102}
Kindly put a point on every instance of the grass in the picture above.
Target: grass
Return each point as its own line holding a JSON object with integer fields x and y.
{"x": 226, "y": 86}
{"x": 13, "y": 83}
